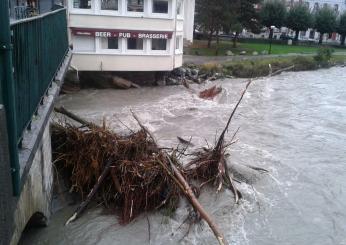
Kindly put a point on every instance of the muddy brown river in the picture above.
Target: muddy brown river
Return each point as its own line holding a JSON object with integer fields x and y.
{"x": 293, "y": 124}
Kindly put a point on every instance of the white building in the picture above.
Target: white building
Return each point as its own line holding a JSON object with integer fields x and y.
{"x": 129, "y": 35}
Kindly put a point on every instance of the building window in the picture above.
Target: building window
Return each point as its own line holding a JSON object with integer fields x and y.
{"x": 109, "y": 5}
{"x": 135, "y": 5}
{"x": 110, "y": 43}
{"x": 82, "y": 4}
{"x": 177, "y": 43}
{"x": 160, "y": 6}
{"x": 180, "y": 8}
{"x": 134, "y": 44}
{"x": 83, "y": 44}
{"x": 159, "y": 44}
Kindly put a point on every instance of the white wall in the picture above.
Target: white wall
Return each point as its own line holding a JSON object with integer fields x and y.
{"x": 106, "y": 62}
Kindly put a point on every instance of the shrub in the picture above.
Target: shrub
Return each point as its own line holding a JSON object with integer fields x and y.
{"x": 323, "y": 56}
{"x": 302, "y": 63}
{"x": 210, "y": 68}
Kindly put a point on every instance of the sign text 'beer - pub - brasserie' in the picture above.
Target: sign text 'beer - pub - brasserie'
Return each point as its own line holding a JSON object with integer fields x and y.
{"x": 121, "y": 33}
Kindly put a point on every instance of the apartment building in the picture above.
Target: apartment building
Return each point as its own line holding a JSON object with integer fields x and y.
{"x": 129, "y": 35}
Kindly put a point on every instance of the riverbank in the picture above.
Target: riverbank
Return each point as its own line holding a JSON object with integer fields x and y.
{"x": 263, "y": 66}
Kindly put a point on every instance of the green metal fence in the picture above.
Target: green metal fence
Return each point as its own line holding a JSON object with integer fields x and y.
{"x": 39, "y": 46}
{"x": 31, "y": 52}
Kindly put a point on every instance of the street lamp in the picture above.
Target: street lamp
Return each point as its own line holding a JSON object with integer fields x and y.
{"x": 271, "y": 31}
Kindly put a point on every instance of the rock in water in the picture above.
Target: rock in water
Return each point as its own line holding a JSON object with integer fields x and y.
{"x": 194, "y": 72}
{"x": 119, "y": 82}
{"x": 171, "y": 81}
{"x": 229, "y": 53}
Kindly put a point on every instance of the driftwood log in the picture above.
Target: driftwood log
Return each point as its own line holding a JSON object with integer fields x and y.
{"x": 187, "y": 190}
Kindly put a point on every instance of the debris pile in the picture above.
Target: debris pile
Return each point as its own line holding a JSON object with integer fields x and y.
{"x": 132, "y": 173}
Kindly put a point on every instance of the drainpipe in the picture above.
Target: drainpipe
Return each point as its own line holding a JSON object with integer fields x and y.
{"x": 8, "y": 92}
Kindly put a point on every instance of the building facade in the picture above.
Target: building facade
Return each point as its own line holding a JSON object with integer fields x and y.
{"x": 129, "y": 35}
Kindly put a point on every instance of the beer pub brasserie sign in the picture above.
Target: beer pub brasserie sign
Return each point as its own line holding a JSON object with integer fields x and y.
{"x": 121, "y": 33}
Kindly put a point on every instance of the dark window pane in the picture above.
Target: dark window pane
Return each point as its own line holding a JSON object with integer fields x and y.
{"x": 135, "y": 5}
{"x": 82, "y": 4}
{"x": 134, "y": 43}
{"x": 158, "y": 44}
{"x": 109, "y": 4}
{"x": 112, "y": 43}
{"x": 160, "y": 6}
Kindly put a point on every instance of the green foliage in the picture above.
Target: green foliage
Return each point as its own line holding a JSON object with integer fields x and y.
{"x": 303, "y": 63}
{"x": 248, "y": 16}
{"x": 323, "y": 56}
{"x": 257, "y": 68}
{"x": 299, "y": 18}
{"x": 210, "y": 68}
{"x": 325, "y": 21}
{"x": 273, "y": 13}
{"x": 212, "y": 14}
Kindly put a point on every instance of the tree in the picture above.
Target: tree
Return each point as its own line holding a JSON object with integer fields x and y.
{"x": 341, "y": 27}
{"x": 325, "y": 21}
{"x": 211, "y": 15}
{"x": 299, "y": 19}
{"x": 248, "y": 15}
{"x": 242, "y": 15}
{"x": 273, "y": 13}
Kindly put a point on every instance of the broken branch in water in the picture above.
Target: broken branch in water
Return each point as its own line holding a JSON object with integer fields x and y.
{"x": 211, "y": 163}
{"x": 92, "y": 193}
{"x": 186, "y": 189}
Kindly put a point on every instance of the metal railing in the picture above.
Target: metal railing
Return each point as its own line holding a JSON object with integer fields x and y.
{"x": 39, "y": 47}
{"x": 31, "y": 52}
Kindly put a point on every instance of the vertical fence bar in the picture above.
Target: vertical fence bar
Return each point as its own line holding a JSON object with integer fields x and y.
{"x": 8, "y": 92}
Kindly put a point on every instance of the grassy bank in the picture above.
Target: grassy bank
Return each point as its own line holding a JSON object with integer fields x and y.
{"x": 199, "y": 47}
{"x": 258, "y": 68}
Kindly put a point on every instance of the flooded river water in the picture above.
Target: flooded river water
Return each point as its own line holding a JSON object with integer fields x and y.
{"x": 293, "y": 124}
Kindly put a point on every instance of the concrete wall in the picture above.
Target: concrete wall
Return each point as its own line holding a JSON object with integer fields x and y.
{"x": 36, "y": 193}
{"x": 6, "y": 197}
{"x": 35, "y": 159}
